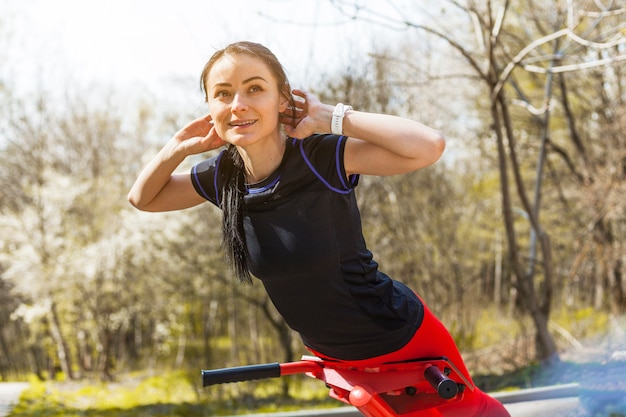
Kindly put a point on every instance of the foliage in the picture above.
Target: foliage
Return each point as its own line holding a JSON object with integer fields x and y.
{"x": 89, "y": 287}
{"x": 530, "y": 58}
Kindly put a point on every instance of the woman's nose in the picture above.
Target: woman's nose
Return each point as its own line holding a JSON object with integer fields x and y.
{"x": 238, "y": 104}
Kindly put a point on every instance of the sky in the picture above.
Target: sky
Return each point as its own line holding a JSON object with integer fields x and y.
{"x": 124, "y": 42}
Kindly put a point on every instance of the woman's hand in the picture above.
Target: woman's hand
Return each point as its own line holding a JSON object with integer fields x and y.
{"x": 157, "y": 188}
{"x": 308, "y": 116}
{"x": 198, "y": 136}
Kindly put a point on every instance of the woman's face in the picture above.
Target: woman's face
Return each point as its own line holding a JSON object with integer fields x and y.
{"x": 244, "y": 100}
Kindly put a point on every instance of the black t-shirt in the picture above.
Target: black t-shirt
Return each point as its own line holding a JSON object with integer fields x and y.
{"x": 305, "y": 243}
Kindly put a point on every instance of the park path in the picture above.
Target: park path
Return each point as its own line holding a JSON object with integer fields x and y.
{"x": 9, "y": 395}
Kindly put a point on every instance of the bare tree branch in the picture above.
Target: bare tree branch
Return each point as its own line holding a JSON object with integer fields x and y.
{"x": 575, "y": 67}
{"x": 504, "y": 76}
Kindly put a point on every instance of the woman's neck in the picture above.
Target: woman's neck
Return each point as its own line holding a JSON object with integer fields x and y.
{"x": 262, "y": 159}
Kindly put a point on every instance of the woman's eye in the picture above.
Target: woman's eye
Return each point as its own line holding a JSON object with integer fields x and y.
{"x": 221, "y": 93}
{"x": 255, "y": 88}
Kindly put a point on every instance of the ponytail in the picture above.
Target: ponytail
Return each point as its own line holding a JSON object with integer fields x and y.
{"x": 233, "y": 235}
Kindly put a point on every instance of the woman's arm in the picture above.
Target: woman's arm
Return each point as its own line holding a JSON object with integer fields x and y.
{"x": 378, "y": 144}
{"x": 157, "y": 188}
{"x": 381, "y": 144}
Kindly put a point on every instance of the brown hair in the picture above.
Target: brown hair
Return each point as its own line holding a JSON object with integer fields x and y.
{"x": 255, "y": 50}
{"x": 231, "y": 169}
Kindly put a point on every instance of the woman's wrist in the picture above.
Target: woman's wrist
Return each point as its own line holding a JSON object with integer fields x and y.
{"x": 325, "y": 117}
{"x": 174, "y": 151}
{"x": 339, "y": 112}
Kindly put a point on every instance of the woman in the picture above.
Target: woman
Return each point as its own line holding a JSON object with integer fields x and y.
{"x": 285, "y": 186}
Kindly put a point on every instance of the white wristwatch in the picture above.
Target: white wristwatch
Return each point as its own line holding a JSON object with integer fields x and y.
{"x": 336, "y": 125}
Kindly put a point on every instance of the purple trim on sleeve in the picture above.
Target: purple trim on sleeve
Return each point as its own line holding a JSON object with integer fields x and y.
{"x": 338, "y": 162}
{"x": 195, "y": 176}
{"x": 215, "y": 187}
{"x": 317, "y": 174}
{"x": 204, "y": 193}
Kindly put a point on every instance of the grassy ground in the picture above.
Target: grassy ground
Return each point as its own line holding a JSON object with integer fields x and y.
{"x": 169, "y": 395}
{"x": 603, "y": 393}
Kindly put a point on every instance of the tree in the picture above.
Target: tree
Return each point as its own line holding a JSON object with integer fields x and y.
{"x": 420, "y": 225}
{"x": 62, "y": 204}
{"x": 37, "y": 230}
{"x": 499, "y": 29}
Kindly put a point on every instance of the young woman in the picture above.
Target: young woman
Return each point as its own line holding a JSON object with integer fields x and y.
{"x": 285, "y": 183}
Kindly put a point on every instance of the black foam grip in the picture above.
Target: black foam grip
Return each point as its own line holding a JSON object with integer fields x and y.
{"x": 240, "y": 373}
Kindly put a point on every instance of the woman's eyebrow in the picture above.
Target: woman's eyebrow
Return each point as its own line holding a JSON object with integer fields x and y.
{"x": 256, "y": 77}
{"x": 246, "y": 81}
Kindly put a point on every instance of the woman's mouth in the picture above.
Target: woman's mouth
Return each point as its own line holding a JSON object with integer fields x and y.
{"x": 242, "y": 123}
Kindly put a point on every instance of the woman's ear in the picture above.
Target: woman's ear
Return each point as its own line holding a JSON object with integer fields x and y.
{"x": 284, "y": 104}
{"x": 285, "y": 98}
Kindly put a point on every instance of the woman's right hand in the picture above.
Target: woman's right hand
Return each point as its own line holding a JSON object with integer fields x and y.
{"x": 157, "y": 188}
{"x": 198, "y": 136}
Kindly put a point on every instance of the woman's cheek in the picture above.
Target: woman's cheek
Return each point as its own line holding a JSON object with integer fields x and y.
{"x": 218, "y": 124}
{"x": 221, "y": 132}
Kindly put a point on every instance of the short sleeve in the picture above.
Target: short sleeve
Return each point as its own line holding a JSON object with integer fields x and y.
{"x": 204, "y": 178}
{"x": 325, "y": 156}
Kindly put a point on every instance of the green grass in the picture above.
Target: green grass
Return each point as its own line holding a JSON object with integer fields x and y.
{"x": 156, "y": 396}
{"x": 168, "y": 395}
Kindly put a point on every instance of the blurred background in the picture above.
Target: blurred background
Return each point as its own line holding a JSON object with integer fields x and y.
{"x": 515, "y": 238}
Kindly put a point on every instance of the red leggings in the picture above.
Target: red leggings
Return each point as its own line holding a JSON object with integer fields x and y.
{"x": 432, "y": 339}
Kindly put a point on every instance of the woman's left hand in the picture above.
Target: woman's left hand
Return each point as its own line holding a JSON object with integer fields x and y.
{"x": 309, "y": 115}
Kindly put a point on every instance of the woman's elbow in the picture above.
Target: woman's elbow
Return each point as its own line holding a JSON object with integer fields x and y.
{"x": 440, "y": 144}
{"x": 437, "y": 147}
{"x": 135, "y": 201}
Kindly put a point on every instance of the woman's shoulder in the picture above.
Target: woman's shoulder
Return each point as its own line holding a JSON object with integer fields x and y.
{"x": 210, "y": 163}
{"x": 204, "y": 175}
{"x": 315, "y": 138}
{"x": 319, "y": 143}
{"x": 321, "y": 155}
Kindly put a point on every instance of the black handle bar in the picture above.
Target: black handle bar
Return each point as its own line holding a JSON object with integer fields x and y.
{"x": 446, "y": 387}
{"x": 240, "y": 373}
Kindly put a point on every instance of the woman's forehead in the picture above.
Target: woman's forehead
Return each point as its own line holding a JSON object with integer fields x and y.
{"x": 231, "y": 69}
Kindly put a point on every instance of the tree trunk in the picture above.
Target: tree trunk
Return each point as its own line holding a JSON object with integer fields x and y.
{"x": 618, "y": 303}
{"x": 286, "y": 340}
{"x": 209, "y": 317}
{"x": 539, "y": 311}
{"x": 63, "y": 352}
{"x": 5, "y": 355}
{"x": 105, "y": 361}
{"x": 180, "y": 353}
{"x": 233, "y": 316}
